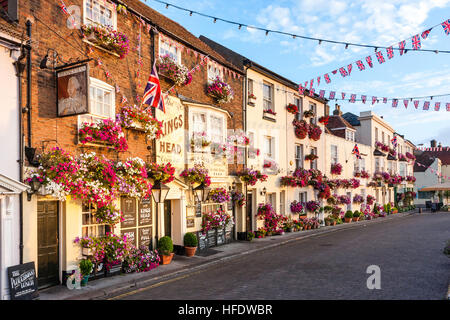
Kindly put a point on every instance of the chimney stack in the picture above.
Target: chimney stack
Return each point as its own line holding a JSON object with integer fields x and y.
{"x": 433, "y": 143}
{"x": 337, "y": 111}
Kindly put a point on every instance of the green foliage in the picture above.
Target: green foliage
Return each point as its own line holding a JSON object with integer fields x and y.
{"x": 165, "y": 245}
{"x": 190, "y": 240}
{"x": 356, "y": 214}
{"x": 86, "y": 267}
{"x": 349, "y": 214}
{"x": 250, "y": 235}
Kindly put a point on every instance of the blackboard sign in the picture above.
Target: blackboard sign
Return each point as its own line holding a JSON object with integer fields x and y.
{"x": 145, "y": 236}
{"x": 128, "y": 207}
{"x": 228, "y": 235}
{"x": 145, "y": 212}
{"x": 131, "y": 235}
{"x": 202, "y": 241}
{"x": 211, "y": 235}
{"x": 22, "y": 281}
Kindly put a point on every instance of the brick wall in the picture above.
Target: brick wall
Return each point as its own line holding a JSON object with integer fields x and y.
{"x": 49, "y": 130}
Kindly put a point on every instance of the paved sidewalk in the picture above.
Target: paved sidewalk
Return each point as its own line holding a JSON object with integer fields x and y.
{"x": 101, "y": 288}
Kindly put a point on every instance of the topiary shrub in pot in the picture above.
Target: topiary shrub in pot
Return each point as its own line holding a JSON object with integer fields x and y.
{"x": 165, "y": 248}
{"x": 348, "y": 216}
{"x": 356, "y": 215}
{"x": 190, "y": 244}
{"x": 86, "y": 266}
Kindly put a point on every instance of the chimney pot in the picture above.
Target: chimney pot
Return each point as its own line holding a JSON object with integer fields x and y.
{"x": 433, "y": 143}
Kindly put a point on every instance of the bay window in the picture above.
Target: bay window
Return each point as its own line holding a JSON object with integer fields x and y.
{"x": 99, "y": 12}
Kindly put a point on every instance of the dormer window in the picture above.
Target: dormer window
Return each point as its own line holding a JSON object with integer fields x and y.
{"x": 349, "y": 135}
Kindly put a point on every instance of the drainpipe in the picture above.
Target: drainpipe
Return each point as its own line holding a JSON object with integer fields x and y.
{"x": 247, "y": 64}
{"x": 28, "y": 107}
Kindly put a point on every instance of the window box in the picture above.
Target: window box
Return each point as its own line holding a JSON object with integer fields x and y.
{"x": 107, "y": 38}
{"x": 252, "y": 99}
{"x": 269, "y": 115}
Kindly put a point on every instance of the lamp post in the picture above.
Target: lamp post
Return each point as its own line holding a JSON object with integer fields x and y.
{"x": 159, "y": 194}
{"x": 202, "y": 192}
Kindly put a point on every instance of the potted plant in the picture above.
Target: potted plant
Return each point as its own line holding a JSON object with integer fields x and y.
{"x": 356, "y": 215}
{"x": 165, "y": 248}
{"x": 301, "y": 128}
{"x": 250, "y": 235}
{"x": 330, "y": 221}
{"x": 348, "y": 216}
{"x": 86, "y": 266}
{"x": 190, "y": 244}
{"x": 220, "y": 91}
{"x": 292, "y": 108}
{"x": 251, "y": 99}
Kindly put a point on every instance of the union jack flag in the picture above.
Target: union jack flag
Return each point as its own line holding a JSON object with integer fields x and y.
{"x": 353, "y": 98}
{"x": 446, "y": 26}
{"x": 425, "y": 34}
{"x": 311, "y": 92}
{"x": 318, "y": 81}
{"x": 350, "y": 67}
{"x": 343, "y": 72}
{"x": 332, "y": 95}
{"x": 334, "y": 71}
{"x": 64, "y": 8}
{"x": 437, "y": 106}
{"x": 311, "y": 84}
{"x": 405, "y": 102}
{"x": 374, "y": 99}
{"x": 448, "y": 106}
{"x": 416, "y": 42}
{"x": 360, "y": 65}
{"x": 390, "y": 52}
{"x": 124, "y": 99}
{"x": 327, "y": 78}
{"x": 394, "y": 141}
{"x": 426, "y": 105}
{"x": 355, "y": 151}
{"x": 394, "y": 103}
{"x": 152, "y": 94}
{"x": 363, "y": 99}
{"x": 369, "y": 61}
{"x": 380, "y": 57}
{"x": 416, "y": 103}
{"x": 402, "y": 45}
{"x": 384, "y": 100}
{"x": 321, "y": 93}
{"x": 343, "y": 95}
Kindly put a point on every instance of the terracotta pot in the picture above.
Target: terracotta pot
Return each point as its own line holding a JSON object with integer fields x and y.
{"x": 355, "y": 219}
{"x": 327, "y": 223}
{"x": 167, "y": 259}
{"x": 334, "y": 223}
{"x": 190, "y": 251}
{"x": 348, "y": 220}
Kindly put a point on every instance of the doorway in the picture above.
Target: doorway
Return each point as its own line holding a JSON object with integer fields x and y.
{"x": 168, "y": 218}
{"x": 48, "y": 239}
{"x": 248, "y": 219}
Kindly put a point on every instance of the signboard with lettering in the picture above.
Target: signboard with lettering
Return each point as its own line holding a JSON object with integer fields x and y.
{"x": 128, "y": 207}
{"x": 145, "y": 236}
{"x": 211, "y": 235}
{"x": 22, "y": 281}
{"x": 170, "y": 146}
{"x": 131, "y": 235}
{"x": 220, "y": 236}
{"x": 202, "y": 241}
{"x": 190, "y": 222}
{"x": 145, "y": 212}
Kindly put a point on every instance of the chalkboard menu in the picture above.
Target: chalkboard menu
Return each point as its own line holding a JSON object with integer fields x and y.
{"x": 131, "y": 235}
{"x": 22, "y": 281}
{"x": 128, "y": 207}
{"x": 228, "y": 235}
{"x": 145, "y": 236}
{"x": 220, "y": 236}
{"x": 211, "y": 235}
{"x": 145, "y": 212}
{"x": 202, "y": 241}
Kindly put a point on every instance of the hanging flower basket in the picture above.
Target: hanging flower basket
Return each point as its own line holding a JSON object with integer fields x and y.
{"x": 301, "y": 128}
{"x": 107, "y": 38}
{"x": 106, "y": 131}
{"x": 220, "y": 91}
{"x": 314, "y": 132}
{"x": 159, "y": 172}
{"x": 250, "y": 176}
{"x": 308, "y": 114}
{"x": 364, "y": 174}
{"x": 358, "y": 198}
{"x": 311, "y": 157}
{"x": 176, "y": 72}
{"x": 238, "y": 197}
{"x": 312, "y": 206}
{"x": 297, "y": 207}
{"x": 292, "y": 108}
{"x": 381, "y": 146}
{"x": 199, "y": 140}
{"x": 324, "y": 120}
{"x": 336, "y": 168}
{"x": 197, "y": 174}
{"x": 108, "y": 215}
{"x": 219, "y": 195}
{"x": 134, "y": 117}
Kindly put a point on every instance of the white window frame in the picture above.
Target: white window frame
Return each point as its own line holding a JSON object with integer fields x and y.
{"x": 313, "y": 108}
{"x": 269, "y": 103}
{"x": 314, "y": 163}
{"x": 208, "y": 114}
{"x": 299, "y": 114}
{"x": 214, "y": 70}
{"x": 109, "y": 5}
{"x": 272, "y": 148}
{"x": 96, "y": 83}
{"x": 299, "y": 158}
{"x": 170, "y": 49}
{"x": 303, "y": 196}
{"x": 334, "y": 155}
{"x": 250, "y": 86}
{"x": 95, "y": 225}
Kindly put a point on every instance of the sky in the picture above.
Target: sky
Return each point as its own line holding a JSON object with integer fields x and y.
{"x": 380, "y": 22}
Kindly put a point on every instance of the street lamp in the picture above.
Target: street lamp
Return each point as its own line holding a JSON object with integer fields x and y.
{"x": 159, "y": 192}
{"x": 202, "y": 192}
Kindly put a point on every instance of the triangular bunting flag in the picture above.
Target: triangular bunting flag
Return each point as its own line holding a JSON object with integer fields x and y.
{"x": 311, "y": 83}
{"x": 349, "y": 68}
{"x": 394, "y": 103}
{"x": 301, "y": 89}
{"x": 384, "y": 100}
{"x": 327, "y": 78}
{"x": 334, "y": 71}
{"x": 321, "y": 93}
{"x": 318, "y": 81}
{"x": 416, "y": 103}
{"x": 363, "y": 99}
{"x": 353, "y": 98}
{"x": 425, "y": 34}
{"x": 426, "y": 105}
{"x": 448, "y": 106}
{"x": 343, "y": 95}
{"x": 402, "y": 45}
{"x": 332, "y": 95}
{"x": 374, "y": 99}
{"x": 405, "y": 102}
